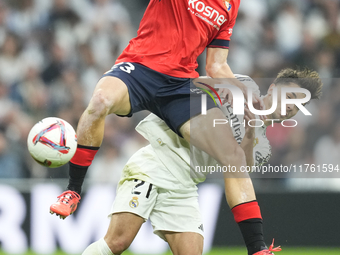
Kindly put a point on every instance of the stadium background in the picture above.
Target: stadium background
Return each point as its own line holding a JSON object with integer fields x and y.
{"x": 52, "y": 52}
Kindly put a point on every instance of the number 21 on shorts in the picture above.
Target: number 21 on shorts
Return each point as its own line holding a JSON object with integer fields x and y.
{"x": 137, "y": 189}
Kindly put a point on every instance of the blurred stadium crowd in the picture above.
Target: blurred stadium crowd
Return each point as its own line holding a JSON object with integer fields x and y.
{"x": 52, "y": 53}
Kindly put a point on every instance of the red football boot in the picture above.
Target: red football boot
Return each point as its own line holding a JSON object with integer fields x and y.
{"x": 66, "y": 204}
{"x": 268, "y": 251}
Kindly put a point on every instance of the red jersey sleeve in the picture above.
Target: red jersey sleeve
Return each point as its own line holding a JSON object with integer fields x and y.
{"x": 222, "y": 39}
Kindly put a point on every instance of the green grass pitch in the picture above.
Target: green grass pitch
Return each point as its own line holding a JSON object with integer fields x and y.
{"x": 242, "y": 251}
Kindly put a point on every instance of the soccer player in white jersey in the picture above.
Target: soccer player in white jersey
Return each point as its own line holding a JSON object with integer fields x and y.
{"x": 159, "y": 183}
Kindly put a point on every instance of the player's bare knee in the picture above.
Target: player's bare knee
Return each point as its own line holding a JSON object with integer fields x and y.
{"x": 236, "y": 154}
{"x": 100, "y": 104}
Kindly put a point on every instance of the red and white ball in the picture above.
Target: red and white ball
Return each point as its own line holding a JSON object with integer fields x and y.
{"x": 52, "y": 142}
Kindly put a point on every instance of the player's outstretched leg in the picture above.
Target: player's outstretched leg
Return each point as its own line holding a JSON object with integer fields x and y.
{"x": 110, "y": 96}
{"x": 219, "y": 142}
{"x": 122, "y": 230}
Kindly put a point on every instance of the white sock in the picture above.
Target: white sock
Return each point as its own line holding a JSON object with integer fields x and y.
{"x": 98, "y": 248}
{"x": 104, "y": 248}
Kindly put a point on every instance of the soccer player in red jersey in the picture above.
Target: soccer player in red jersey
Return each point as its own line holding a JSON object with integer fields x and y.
{"x": 154, "y": 73}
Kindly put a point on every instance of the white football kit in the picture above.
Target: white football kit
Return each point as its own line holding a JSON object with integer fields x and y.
{"x": 159, "y": 180}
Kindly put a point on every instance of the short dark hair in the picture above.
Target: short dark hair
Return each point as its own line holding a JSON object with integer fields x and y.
{"x": 305, "y": 78}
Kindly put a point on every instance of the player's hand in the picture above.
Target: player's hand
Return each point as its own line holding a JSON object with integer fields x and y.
{"x": 259, "y": 105}
{"x": 226, "y": 96}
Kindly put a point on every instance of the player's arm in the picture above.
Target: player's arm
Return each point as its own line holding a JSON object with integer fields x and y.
{"x": 247, "y": 143}
{"x": 217, "y": 66}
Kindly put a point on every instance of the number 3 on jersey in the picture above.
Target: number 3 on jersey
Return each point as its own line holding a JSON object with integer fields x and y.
{"x": 125, "y": 66}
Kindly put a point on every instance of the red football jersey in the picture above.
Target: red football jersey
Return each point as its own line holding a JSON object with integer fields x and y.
{"x": 173, "y": 33}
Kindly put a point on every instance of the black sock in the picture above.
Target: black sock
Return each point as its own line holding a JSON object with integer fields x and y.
{"x": 76, "y": 177}
{"x": 252, "y": 233}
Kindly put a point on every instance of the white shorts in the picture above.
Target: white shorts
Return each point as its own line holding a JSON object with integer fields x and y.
{"x": 168, "y": 210}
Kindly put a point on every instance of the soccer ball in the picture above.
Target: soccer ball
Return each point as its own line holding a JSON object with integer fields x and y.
{"x": 52, "y": 142}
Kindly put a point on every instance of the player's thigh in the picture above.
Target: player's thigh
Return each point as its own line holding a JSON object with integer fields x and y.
{"x": 186, "y": 243}
{"x": 112, "y": 94}
{"x": 215, "y": 139}
{"x": 122, "y": 230}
